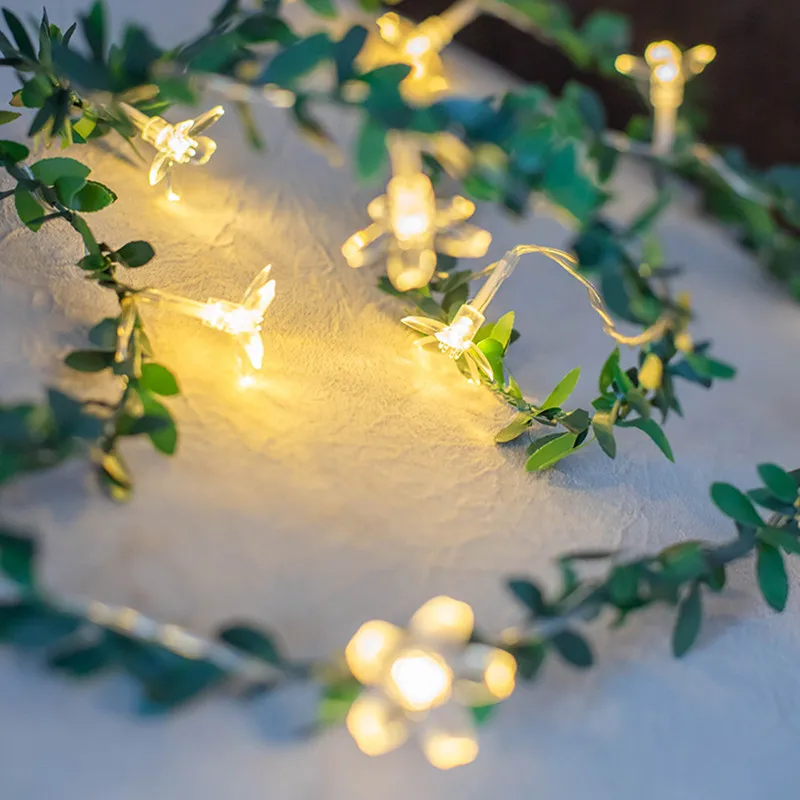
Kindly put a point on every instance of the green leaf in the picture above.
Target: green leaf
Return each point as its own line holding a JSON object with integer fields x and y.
{"x": 159, "y": 380}
{"x": 67, "y": 187}
{"x": 550, "y": 452}
{"x": 94, "y": 29}
{"x": 563, "y": 390}
{"x": 8, "y": 116}
{"x": 493, "y": 351}
{"x": 687, "y": 624}
{"x": 573, "y": 648}
{"x": 13, "y": 152}
{"x": 252, "y": 641}
{"x": 135, "y": 254}
{"x": 49, "y": 170}
{"x": 33, "y": 624}
{"x": 93, "y": 197}
{"x": 89, "y": 360}
{"x": 779, "y": 538}
{"x": 17, "y": 558}
{"x": 166, "y": 439}
{"x": 530, "y": 657}
{"x": 654, "y": 431}
{"x": 297, "y": 60}
{"x": 707, "y": 367}
{"x": 93, "y": 262}
{"x": 779, "y": 482}
{"x": 181, "y": 685}
{"x": 521, "y": 423}
{"x": 501, "y": 331}
{"x": 603, "y": 427}
{"x": 771, "y": 573}
{"x": 735, "y": 504}
{"x": 28, "y": 209}
{"x": 346, "y": 50}
{"x": 104, "y": 334}
{"x": 325, "y": 8}
{"x": 529, "y": 594}
{"x": 576, "y": 421}
{"x": 371, "y": 153}
{"x": 20, "y": 36}
{"x": 83, "y": 661}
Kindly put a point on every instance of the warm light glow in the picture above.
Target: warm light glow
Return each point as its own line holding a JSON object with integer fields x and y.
{"x": 412, "y": 208}
{"x": 500, "y": 674}
{"x": 666, "y": 69}
{"x": 368, "y": 651}
{"x": 242, "y": 320}
{"x": 444, "y": 618}
{"x": 420, "y": 680}
{"x": 180, "y": 143}
{"x": 374, "y": 725}
{"x": 446, "y": 751}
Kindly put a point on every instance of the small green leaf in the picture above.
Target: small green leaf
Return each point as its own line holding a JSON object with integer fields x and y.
{"x": 28, "y": 209}
{"x": 297, "y": 60}
{"x": 93, "y": 197}
{"x": 529, "y": 594}
{"x": 94, "y": 29}
{"x": 481, "y": 714}
{"x": 563, "y": 390}
{"x": 67, "y": 187}
{"x": 49, "y": 170}
{"x": 346, "y": 50}
{"x": 325, "y": 8}
{"x": 13, "y": 152}
{"x": 573, "y": 648}
{"x": 502, "y": 329}
{"x": 181, "y": 685}
{"x": 336, "y": 701}
{"x": 93, "y": 262}
{"x": 687, "y": 624}
{"x": 654, "y": 431}
{"x": 779, "y": 538}
{"x": 551, "y": 452}
{"x": 771, "y": 573}
{"x": 89, "y": 360}
{"x": 576, "y": 421}
{"x": 8, "y": 116}
{"x": 603, "y": 427}
{"x": 735, "y": 504}
{"x": 521, "y": 423}
{"x": 159, "y": 380}
{"x": 17, "y": 557}
{"x": 493, "y": 351}
{"x": 371, "y": 153}
{"x": 779, "y": 482}
{"x": 83, "y": 661}
{"x": 252, "y": 641}
{"x": 104, "y": 334}
{"x": 135, "y": 254}
{"x": 530, "y": 657}
{"x": 166, "y": 439}
{"x": 20, "y": 36}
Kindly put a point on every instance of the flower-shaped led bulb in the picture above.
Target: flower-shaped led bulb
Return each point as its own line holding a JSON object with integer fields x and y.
{"x": 243, "y": 321}
{"x": 428, "y": 674}
{"x": 175, "y": 144}
{"x": 667, "y": 70}
{"x": 410, "y": 226}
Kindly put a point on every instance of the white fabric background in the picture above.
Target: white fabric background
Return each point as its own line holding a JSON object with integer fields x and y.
{"x": 361, "y": 479}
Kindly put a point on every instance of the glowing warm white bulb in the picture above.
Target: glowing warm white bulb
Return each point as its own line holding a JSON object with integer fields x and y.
{"x": 445, "y": 619}
{"x": 445, "y": 751}
{"x": 368, "y": 651}
{"x": 243, "y": 320}
{"x": 375, "y": 726}
{"x": 412, "y": 208}
{"x": 180, "y": 143}
{"x": 500, "y": 674}
{"x": 420, "y": 680}
{"x": 667, "y": 69}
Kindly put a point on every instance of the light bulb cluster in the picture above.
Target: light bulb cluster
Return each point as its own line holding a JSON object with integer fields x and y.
{"x": 666, "y": 69}
{"x": 410, "y": 225}
{"x": 243, "y": 321}
{"x": 180, "y": 143}
{"x": 426, "y": 677}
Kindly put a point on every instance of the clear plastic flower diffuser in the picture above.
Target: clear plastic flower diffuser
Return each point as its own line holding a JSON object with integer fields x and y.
{"x": 175, "y": 144}
{"x": 456, "y": 340}
{"x": 426, "y": 676}
{"x": 410, "y": 225}
{"x": 242, "y": 320}
{"x": 667, "y": 70}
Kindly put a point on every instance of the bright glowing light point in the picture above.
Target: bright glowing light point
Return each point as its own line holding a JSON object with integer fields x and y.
{"x": 666, "y": 69}
{"x": 243, "y": 320}
{"x": 420, "y": 680}
{"x": 175, "y": 144}
{"x": 418, "y": 676}
{"x": 445, "y": 751}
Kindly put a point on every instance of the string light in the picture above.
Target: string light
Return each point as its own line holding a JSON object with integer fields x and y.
{"x": 400, "y": 41}
{"x": 428, "y": 674}
{"x": 667, "y": 70}
{"x": 242, "y": 320}
{"x": 457, "y": 339}
{"x": 410, "y": 225}
{"x": 174, "y": 144}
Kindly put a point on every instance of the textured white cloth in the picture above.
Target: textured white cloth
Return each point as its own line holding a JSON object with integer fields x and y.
{"x": 361, "y": 479}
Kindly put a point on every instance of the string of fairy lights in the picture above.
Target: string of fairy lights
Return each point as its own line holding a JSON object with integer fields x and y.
{"x": 427, "y": 677}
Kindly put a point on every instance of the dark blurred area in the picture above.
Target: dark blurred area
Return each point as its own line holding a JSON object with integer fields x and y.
{"x": 749, "y": 97}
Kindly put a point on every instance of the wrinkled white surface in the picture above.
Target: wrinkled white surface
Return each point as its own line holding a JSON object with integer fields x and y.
{"x": 361, "y": 479}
